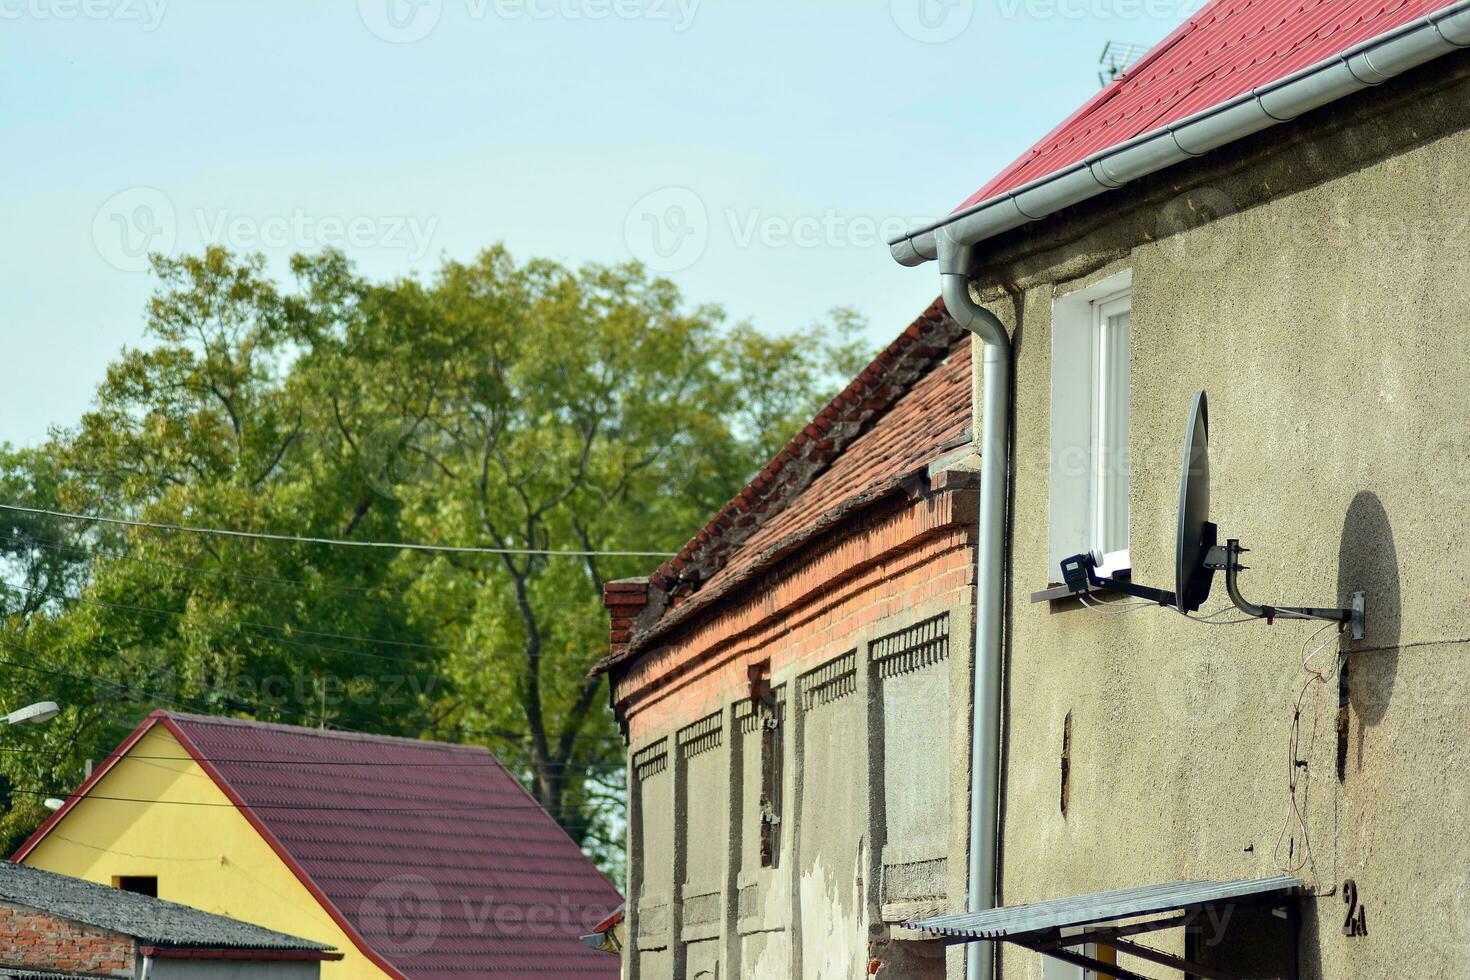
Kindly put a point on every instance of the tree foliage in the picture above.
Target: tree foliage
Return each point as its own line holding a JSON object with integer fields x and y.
{"x": 525, "y": 407}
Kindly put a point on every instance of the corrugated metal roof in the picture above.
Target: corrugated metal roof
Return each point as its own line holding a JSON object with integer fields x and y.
{"x": 1227, "y": 49}
{"x": 1017, "y": 920}
{"x": 151, "y": 920}
{"x": 492, "y": 885}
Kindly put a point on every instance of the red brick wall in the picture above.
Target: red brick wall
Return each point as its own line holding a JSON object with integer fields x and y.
{"x": 42, "y": 941}
{"x": 871, "y": 568}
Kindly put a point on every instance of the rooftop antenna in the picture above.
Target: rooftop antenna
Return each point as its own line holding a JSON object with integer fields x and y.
{"x": 1118, "y": 57}
{"x": 1198, "y": 556}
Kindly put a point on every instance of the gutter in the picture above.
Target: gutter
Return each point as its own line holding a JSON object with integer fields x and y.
{"x": 1362, "y": 66}
{"x": 954, "y": 277}
{"x": 240, "y": 953}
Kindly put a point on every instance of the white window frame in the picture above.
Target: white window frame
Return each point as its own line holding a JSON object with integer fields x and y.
{"x": 1083, "y": 369}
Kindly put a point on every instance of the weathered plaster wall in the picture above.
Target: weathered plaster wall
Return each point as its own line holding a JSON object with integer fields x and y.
{"x": 1326, "y": 308}
{"x": 874, "y": 618}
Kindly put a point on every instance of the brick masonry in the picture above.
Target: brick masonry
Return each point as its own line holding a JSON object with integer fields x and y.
{"x": 889, "y": 560}
{"x": 38, "y": 940}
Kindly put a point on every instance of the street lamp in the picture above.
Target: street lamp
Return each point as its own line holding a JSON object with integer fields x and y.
{"x": 41, "y": 711}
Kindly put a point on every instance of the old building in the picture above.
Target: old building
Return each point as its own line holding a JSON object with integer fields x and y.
{"x": 416, "y": 859}
{"x": 1269, "y": 206}
{"x": 795, "y": 688}
{"x": 55, "y": 926}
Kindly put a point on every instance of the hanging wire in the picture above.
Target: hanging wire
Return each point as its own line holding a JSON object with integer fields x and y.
{"x": 1124, "y": 607}
{"x": 335, "y": 542}
{"x": 1297, "y": 768}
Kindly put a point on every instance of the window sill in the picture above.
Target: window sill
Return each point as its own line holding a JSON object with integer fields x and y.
{"x": 1054, "y": 593}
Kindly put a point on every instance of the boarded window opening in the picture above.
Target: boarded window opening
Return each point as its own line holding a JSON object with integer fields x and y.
{"x": 766, "y": 714}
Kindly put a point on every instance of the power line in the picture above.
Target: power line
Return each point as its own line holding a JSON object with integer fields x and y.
{"x": 492, "y": 763}
{"x": 340, "y": 591}
{"x": 186, "y": 621}
{"x": 335, "y": 542}
{"x": 141, "y": 694}
{"x": 241, "y": 622}
{"x": 58, "y": 794}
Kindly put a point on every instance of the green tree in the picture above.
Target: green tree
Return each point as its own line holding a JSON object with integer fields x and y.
{"x": 523, "y": 407}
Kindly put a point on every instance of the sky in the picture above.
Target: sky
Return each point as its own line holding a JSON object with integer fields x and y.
{"x": 759, "y": 153}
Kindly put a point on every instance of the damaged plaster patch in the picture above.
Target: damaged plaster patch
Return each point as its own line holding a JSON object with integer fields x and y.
{"x": 831, "y": 934}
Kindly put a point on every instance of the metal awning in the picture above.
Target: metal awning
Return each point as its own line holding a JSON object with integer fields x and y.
{"x": 1097, "y": 919}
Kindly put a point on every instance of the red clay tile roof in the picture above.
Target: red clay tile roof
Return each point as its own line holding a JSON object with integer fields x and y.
{"x": 1224, "y": 51}
{"x": 432, "y": 854}
{"x": 904, "y": 410}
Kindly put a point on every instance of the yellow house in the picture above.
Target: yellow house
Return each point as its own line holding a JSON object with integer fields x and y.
{"x": 416, "y": 859}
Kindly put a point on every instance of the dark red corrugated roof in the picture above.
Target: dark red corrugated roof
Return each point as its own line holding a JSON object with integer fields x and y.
{"x": 1224, "y": 51}
{"x": 430, "y": 855}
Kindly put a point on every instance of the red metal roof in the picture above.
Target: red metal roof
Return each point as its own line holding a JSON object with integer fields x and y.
{"x": 431, "y": 856}
{"x": 1224, "y": 51}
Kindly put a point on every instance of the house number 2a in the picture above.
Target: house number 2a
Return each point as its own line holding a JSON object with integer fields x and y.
{"x": 1356, "y": 923}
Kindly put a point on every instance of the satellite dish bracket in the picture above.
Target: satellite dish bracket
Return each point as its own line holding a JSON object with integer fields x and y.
{"x": 1228, "y": 559}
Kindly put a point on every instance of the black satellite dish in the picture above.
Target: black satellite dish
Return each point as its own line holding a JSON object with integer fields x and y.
{"x": 1197, "y": 554}
{"x": 1195, "y": 535}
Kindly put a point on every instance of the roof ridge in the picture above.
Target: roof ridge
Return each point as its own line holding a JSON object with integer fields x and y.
{"x": 645, "y": 608}
{"x": 868, "y": 397}
{"x": 327, "y": 733}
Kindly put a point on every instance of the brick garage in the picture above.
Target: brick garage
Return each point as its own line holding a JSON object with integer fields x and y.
{"x": 32, "y": 938}
{"x": 56, "y": 926}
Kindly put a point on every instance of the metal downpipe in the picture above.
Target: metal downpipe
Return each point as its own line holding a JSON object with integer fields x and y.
{"x": 954, "y": 262}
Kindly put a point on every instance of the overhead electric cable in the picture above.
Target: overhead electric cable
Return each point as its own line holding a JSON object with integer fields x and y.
{"x": 335, "y": 542}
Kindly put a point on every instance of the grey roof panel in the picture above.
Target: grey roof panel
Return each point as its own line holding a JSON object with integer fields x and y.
{"x": 1017, "y": 920}
{"x": 150, "y": 920}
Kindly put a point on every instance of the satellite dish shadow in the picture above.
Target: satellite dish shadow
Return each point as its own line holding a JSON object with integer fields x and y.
{"x": 1367, "y": 560}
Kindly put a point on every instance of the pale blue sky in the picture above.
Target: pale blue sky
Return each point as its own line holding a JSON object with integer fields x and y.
{"x": 755, "y": 150}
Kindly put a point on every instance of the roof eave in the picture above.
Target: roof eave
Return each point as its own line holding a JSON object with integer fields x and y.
{"x": 1362, "y": 66}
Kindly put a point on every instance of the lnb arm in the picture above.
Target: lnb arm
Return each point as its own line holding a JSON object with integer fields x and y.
{"x": 1079, "y": 572}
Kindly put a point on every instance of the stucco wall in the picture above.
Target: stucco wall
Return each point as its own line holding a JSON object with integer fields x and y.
{"x": 873, "y": 618}
{"x": 1328, "y": 315}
